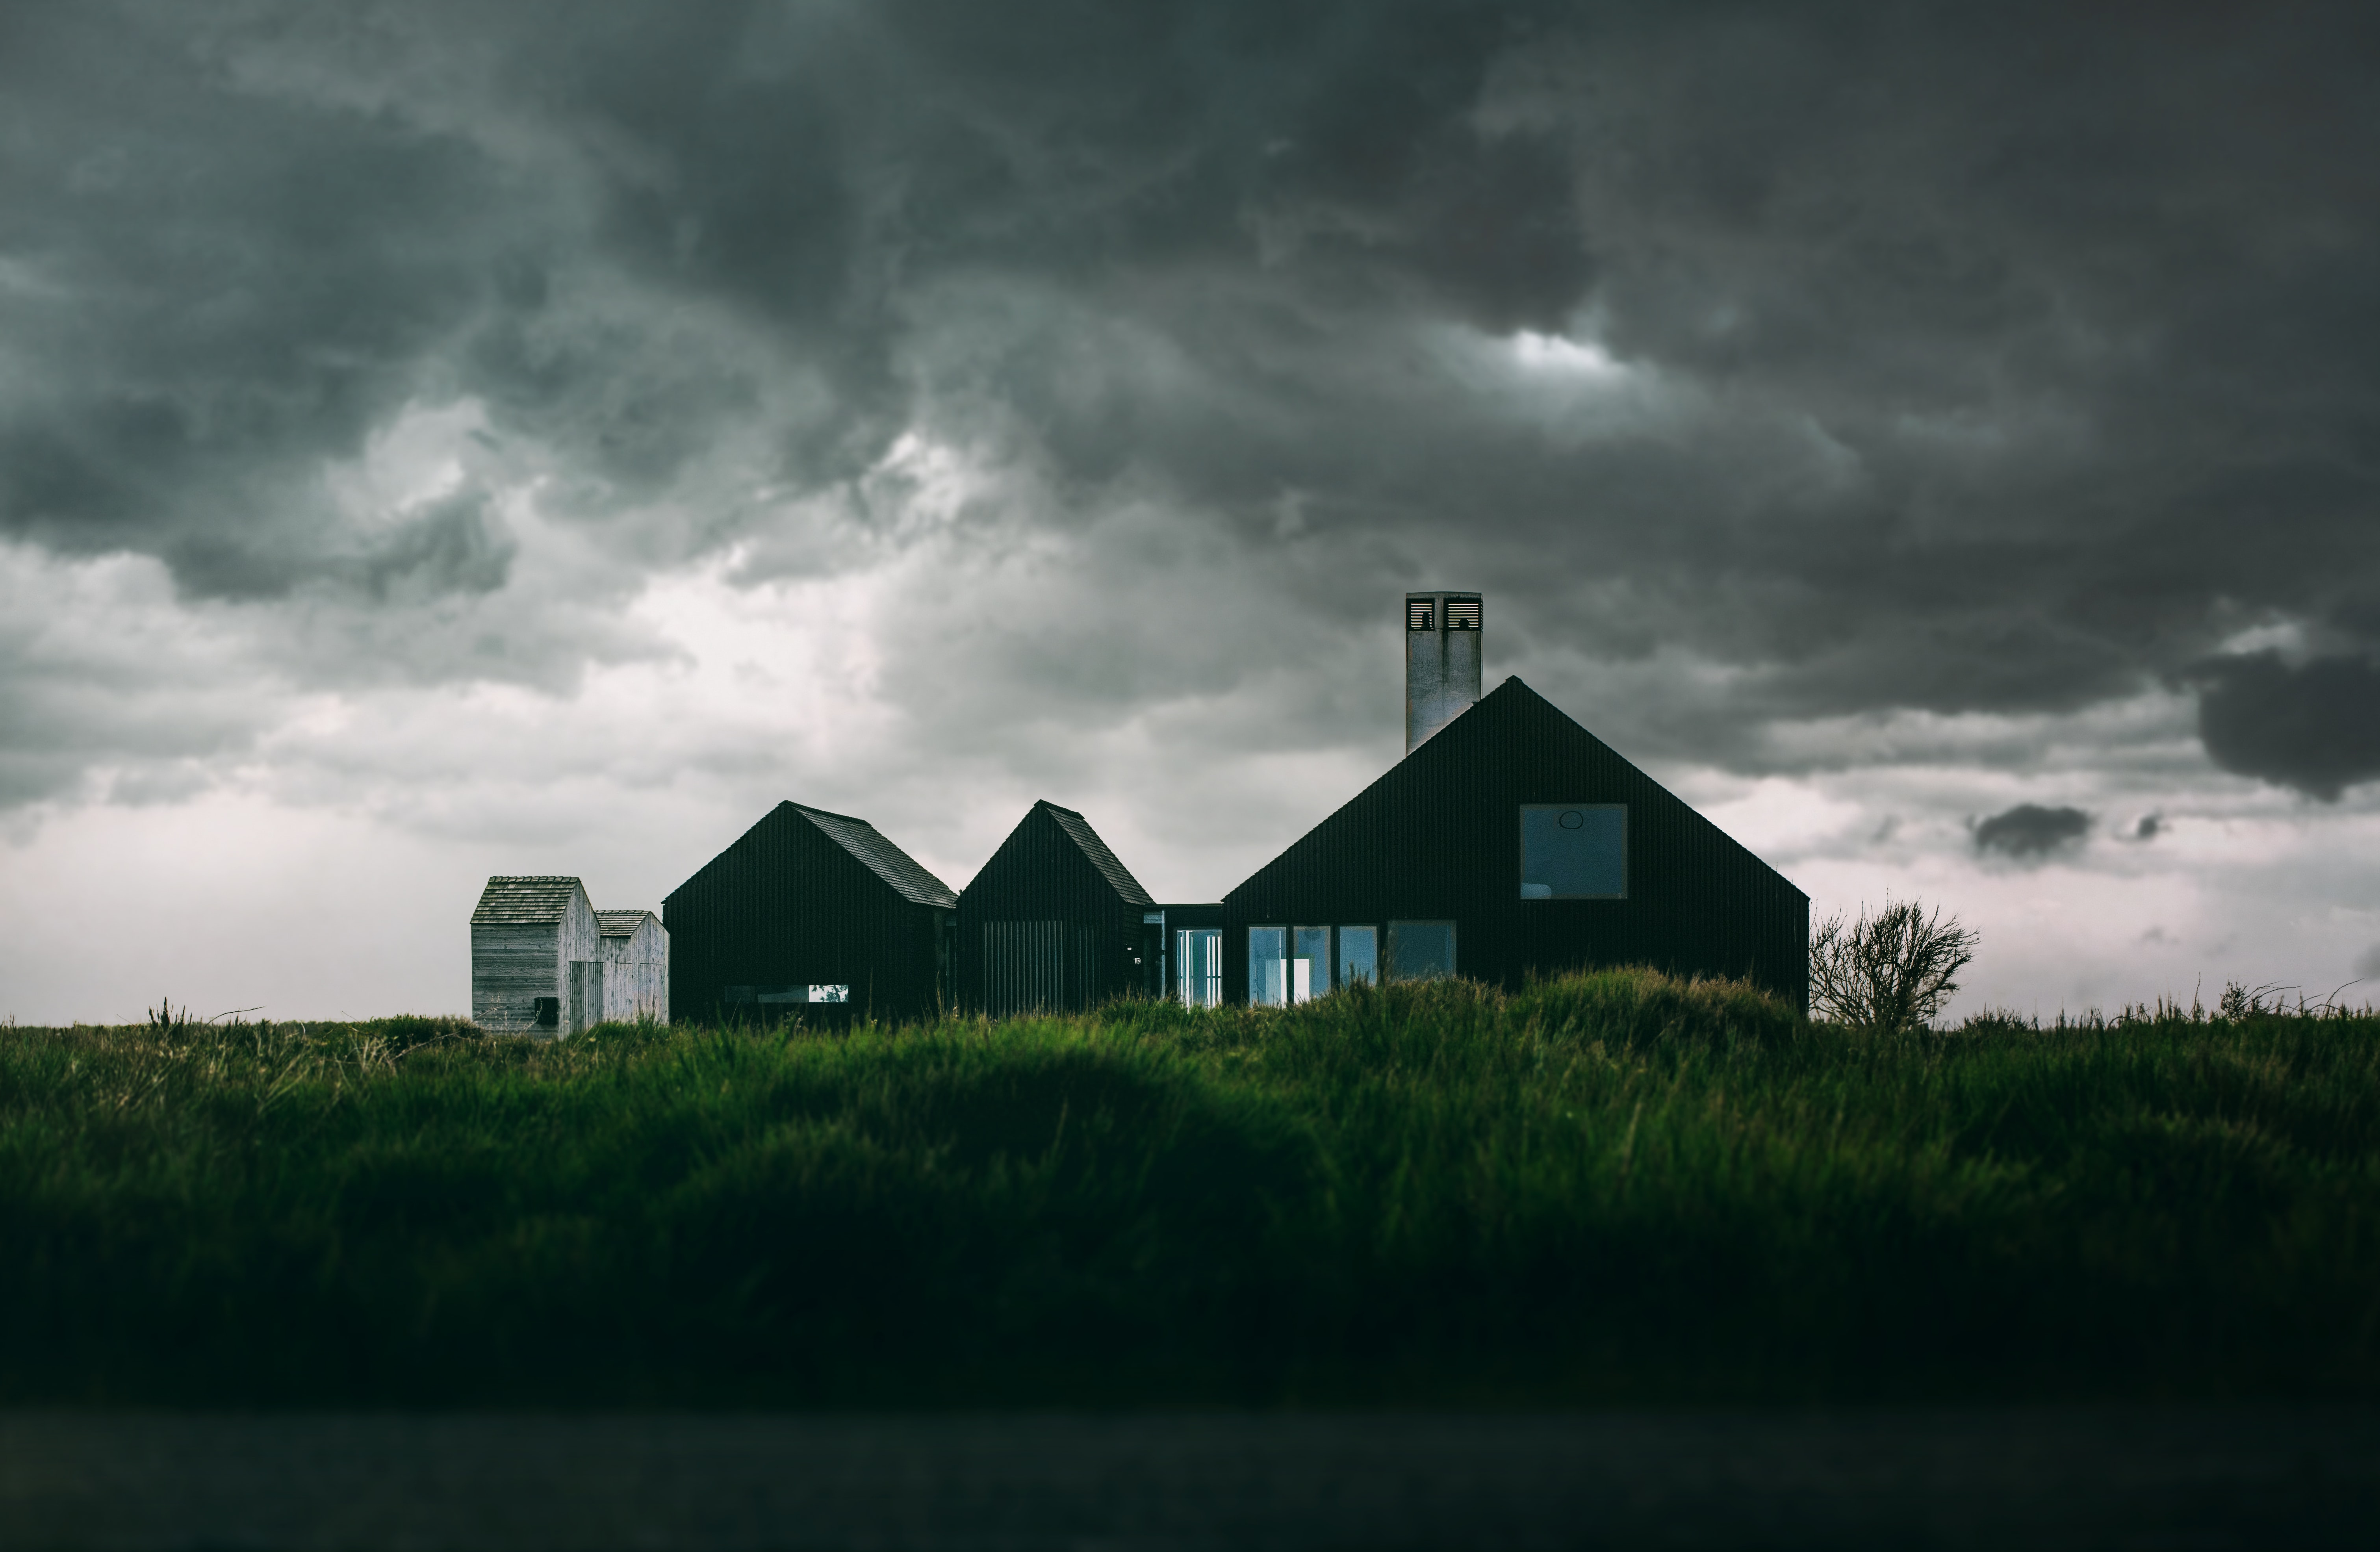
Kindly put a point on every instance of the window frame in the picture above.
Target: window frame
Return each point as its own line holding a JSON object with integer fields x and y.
{"x": 1387, "y": 967}
{"x": 1521, "y": 850}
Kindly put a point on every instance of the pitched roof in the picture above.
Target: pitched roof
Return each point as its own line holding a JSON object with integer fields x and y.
{"x": 882, "y": 859}
{"x": 1079, "y": 830}
{"x": 1501, "y": 713}
{"x": 528, "y": 899}
{"x": 621, "y": 924}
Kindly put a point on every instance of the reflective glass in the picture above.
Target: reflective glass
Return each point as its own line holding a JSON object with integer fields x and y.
{"x": 1199, "y": 956}
{"x": 1268, "y": 966}
{"x": 1310, "y": 967}
{"x": 1420, "y": 950}
{"x": 1574, "y": 851}
{"x": 1358, "y": 954}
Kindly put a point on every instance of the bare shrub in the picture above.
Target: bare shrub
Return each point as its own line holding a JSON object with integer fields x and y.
{"x": 1888, "y": 972}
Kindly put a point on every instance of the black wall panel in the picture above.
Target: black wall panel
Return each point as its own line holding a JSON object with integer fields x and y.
{"x": 788, "y": 906}
{"x": 1438, "y": 837}
{"x": 1086, "y": 907}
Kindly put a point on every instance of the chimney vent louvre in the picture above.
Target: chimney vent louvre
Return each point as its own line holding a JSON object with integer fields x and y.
{"x": 1443, "y": 638}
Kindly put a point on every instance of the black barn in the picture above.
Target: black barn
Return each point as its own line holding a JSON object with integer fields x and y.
{"x": 806, "y": 911}
{"x": 1512, "y": 841}
{"x": 1054, "y": 921}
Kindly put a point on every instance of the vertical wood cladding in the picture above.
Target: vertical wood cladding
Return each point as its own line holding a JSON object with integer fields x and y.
{"x": 635, "y": 966}
{"x": 527, "y": 933}
{"x": 1053, "y": 920}
{"x": 809, "y": 898}
{"x": 1438, "y": 838}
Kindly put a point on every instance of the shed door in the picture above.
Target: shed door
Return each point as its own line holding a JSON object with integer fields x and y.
{"x": 586, "y": 995}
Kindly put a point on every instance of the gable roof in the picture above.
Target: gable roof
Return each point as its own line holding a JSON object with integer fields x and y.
{"x": 622, "y": 924}
{"x": 525, "y": 900}
{"x": 880, "y": 856}
{"x": 1079, "y": 830}
{"x": 1487, "y": 731}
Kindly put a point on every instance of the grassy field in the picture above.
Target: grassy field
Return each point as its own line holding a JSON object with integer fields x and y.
{"x": 1607, "y": 1188}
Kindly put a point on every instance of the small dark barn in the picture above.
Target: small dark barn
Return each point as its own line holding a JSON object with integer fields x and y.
{"x": 810, "y": 912}
{"x": 1054, "y": 921}
{"x": 1511, "y": 840}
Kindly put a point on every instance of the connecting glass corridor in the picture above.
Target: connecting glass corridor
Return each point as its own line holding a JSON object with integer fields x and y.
{"x": 1289, "y": 964}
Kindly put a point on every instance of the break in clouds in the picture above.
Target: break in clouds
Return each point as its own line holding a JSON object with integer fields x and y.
{"x": 1978, "y": 396}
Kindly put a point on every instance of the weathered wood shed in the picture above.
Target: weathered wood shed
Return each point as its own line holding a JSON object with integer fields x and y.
{"x": 1512, "y": 841}
{"x": 635, "y": 966}
{"x": 536, "y": 957}
{"x": 1053, "y": 920}
{"x": 810, "y": 912}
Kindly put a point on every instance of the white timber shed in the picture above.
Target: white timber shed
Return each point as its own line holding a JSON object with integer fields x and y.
{"x": 635, "y": 966}
{"x": 537, "y": 958}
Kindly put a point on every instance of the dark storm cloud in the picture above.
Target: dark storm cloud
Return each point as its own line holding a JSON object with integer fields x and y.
{"x": 209, "y": 293}
{"x": 2031, "y": 831}
{"x": 2002, "y": 360}
{"x": 2314, "y": 726}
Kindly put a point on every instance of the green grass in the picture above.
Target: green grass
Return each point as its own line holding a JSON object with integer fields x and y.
{"x": 1612, "y": 1187}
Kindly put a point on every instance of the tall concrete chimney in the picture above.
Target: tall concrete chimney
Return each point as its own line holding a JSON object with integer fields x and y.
{"x": 1441, "y": 660}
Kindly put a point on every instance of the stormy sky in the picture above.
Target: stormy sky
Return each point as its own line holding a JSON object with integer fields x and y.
{"x": 1940, "y": 443}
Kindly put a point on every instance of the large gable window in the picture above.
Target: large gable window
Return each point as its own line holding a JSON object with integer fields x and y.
{"x": 1574, "y": 851}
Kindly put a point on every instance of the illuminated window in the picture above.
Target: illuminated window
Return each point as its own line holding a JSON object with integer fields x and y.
{"x": 1310, "y": 963}
{"x": 1200, "y": 979}
{"x": 1574, "y": 851}
{"x": 1268, "y": 966}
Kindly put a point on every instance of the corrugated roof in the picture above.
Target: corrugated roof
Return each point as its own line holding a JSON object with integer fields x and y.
{"x": 621, "y": 924}
{"x": 542, "y": 898}
{"x": 884, "y": 859}
{"x": 1079, "y": 830}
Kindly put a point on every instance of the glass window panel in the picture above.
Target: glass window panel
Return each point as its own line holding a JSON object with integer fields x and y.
{"x": 1310, "y": 970}
{"x": 1358, "y": 954}
{"x": 1268, "y": 966}
{"x": 1200, "y": 981}
{"x": 1574, "y": 851}
{"x": 1420, "y": 950}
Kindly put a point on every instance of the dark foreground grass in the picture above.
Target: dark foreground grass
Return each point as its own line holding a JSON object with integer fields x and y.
{"x": 1607, "y": 1188}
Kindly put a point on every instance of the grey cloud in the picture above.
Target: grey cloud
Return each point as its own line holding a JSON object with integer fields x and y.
{"x": 244, "y": 290}
{"x": 450, "y": 547}
{"x": 2031, "y": 831}
{"x": 2313, "y": 726}
{"x": 1971, "y": 361}
{"x": 2149, "y": 828}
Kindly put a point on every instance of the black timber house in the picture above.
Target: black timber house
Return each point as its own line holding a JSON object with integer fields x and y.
{"x": 1508, "y": 840}
{"x": 810, "y": 912}
{"x": 1054, "y": 921}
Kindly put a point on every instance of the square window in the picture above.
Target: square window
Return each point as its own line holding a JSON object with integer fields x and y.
{"x": 1574, "y": 851}
{"x": 1420, "y": 950}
